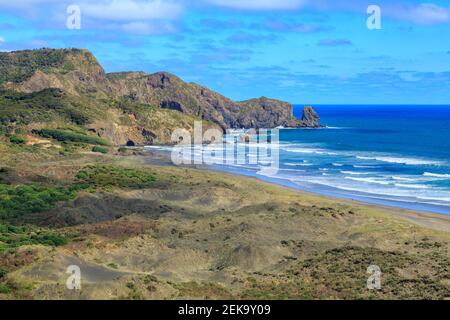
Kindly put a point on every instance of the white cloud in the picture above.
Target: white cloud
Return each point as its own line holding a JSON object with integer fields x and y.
{"x": 426, "y": 13}
{"x": 132, "y": 10}
{"x": 111, "y": 10}
{"x": 143, "y": 17}
{"x": 148, "y": 28}
{"x": 259, "y": 5}
{"x": 2, "y": 40}
{"x": 25, "y": 4}
{"x": 430, "y": 14}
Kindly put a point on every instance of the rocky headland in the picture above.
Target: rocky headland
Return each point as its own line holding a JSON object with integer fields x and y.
{"x": 126, "y": 107}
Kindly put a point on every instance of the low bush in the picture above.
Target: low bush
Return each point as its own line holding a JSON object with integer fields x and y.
{"x": 4, "y": 289}
{"x": 103, "y": 176}
{"x": 17, "y": 139}
{"x": 16, "y": 236}
{"x": 100, "y": 149}
{"x": 18, "y": 200}
{"x": 70, "y": 136}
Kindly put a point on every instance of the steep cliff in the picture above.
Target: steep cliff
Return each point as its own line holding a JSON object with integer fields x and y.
{"x": 266, "y": 113}
{"x": 310, "y": 118}
{"x": 170, "y": 92}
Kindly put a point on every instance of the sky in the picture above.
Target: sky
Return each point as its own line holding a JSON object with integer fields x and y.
{"x": 301, "y": 51}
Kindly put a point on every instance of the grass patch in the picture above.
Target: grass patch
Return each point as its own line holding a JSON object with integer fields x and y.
{"x": 203, "y": 290}
{"x": 341, "y": 273}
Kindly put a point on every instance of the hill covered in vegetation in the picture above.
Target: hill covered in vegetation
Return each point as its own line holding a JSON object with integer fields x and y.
{"x": 57, "y": 88}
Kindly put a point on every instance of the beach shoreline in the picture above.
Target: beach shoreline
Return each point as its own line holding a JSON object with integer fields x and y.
{"x": 308, "y": 167}
{"x": 428, "y": 219}
{"x": 334, "y": 193}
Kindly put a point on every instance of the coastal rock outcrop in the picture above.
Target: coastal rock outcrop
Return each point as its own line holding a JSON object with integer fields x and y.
{"x": 170, "y": 92}
{"x": 266, "y": 113}
{"x": 310, "y": 118}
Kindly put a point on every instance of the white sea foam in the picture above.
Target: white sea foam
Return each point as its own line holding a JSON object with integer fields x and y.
{"x": 364, "y": 167}
{"x": 400, "y": 160}
{"x": 337, "y": 164}
{"x": 403, "y": 179}
{"x": 444, "y": 199}
{"x": 298, "y": 164}
{"x": 436, "y": 175}
{"x": 369, "y": 180}
{"x": 412, "y": 186}
{"x": 385, "y": 190}
{"x": 295, "y": 148}
{"x": 304, "y": 150}
{"x": 356, "y": 173}
{"x": 336, "y": 128}
{"x": 290, "y": 170}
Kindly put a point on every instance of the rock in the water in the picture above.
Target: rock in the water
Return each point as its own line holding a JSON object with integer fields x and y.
{"x": 310, "y": 118}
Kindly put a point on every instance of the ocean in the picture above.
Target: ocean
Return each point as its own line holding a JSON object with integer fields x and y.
{"x": 390, "y": 155}
{"x": 398, "y": 155}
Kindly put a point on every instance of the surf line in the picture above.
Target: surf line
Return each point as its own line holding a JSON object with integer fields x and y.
{"x": 189, "y": 310}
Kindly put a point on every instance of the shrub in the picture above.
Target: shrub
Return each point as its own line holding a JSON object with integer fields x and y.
{"x": 4, "y": 289}
{"x": 113, "y": 265}
{"x": 109, "y": 176}
{"x": 18, "y": 200}
{"x": 16, "y": 236}
{"x": 70, "y": 136}
{"x": 100, "y": 149}
{"x": 48, "y": 105}
{"x": 17, "y": 139}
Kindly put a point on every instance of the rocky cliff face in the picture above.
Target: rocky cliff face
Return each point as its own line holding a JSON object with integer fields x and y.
{"x": 170, "y": 92}
{"x": 266, "y": 113}
{"x": 310, "y": 118}
{"x": 77, "y": 72}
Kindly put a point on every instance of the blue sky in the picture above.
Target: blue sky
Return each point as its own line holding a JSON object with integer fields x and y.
{"x": 301, "y": 51}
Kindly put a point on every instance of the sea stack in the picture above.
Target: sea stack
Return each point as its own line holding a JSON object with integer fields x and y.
{"x": 310, "y": 118}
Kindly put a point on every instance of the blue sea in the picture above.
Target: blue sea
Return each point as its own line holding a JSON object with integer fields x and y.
{"x": 398, "y": 155}
{"x": 390, "y": 155}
